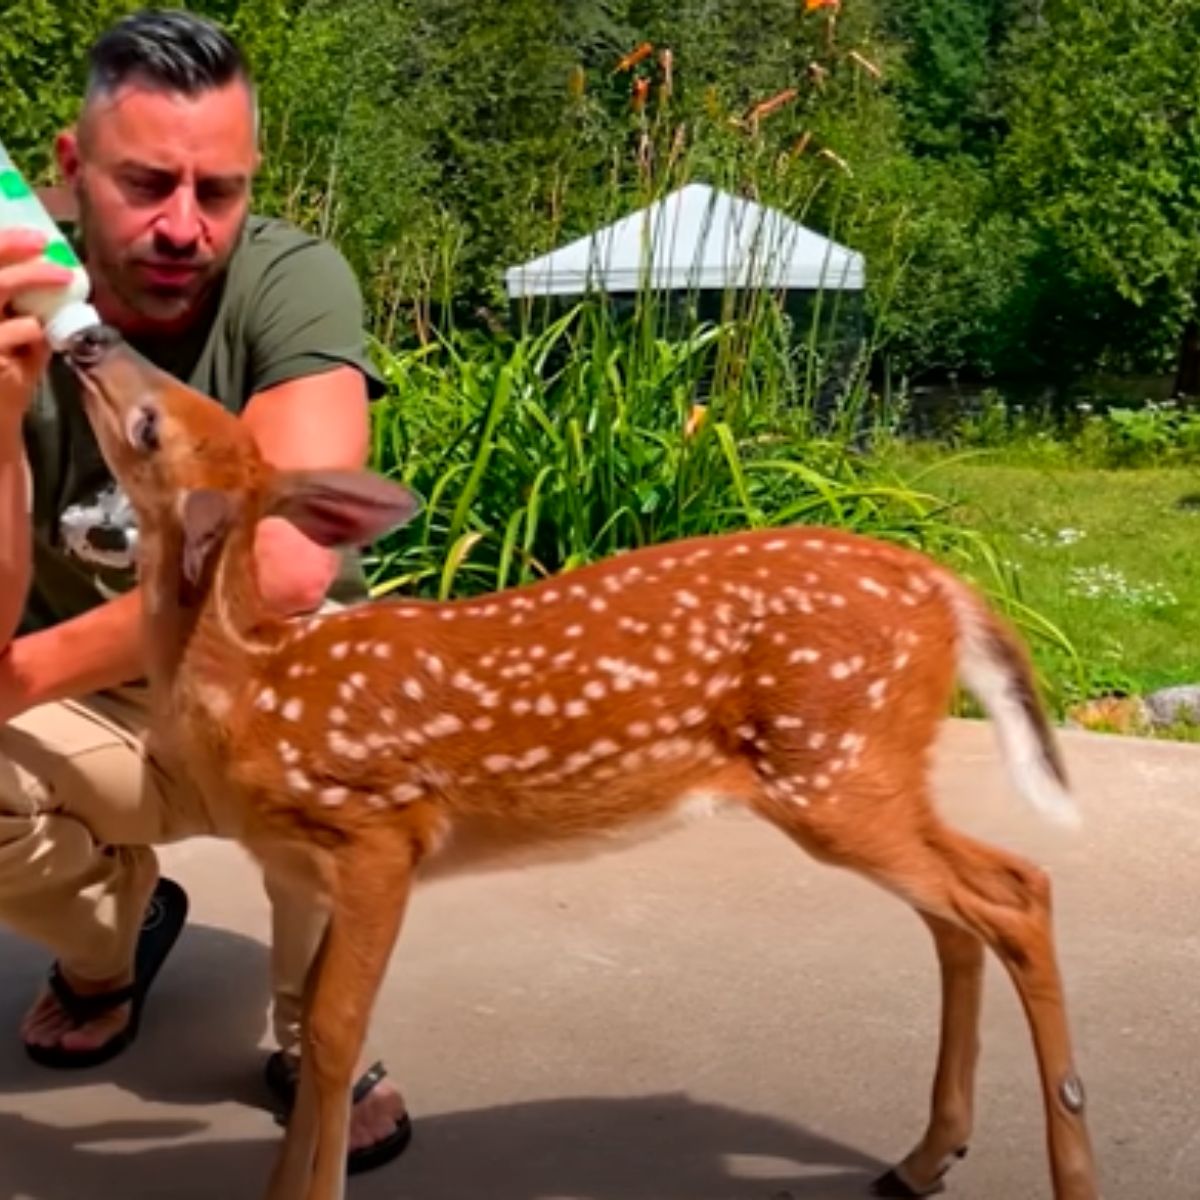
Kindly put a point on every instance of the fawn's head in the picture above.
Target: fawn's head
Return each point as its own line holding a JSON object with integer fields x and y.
{"x": 192, "y": 470}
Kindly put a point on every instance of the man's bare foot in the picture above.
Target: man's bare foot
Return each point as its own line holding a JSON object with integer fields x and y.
{"x": 376, "y": 1115}
{"x": 47, "y": 1022}
{"x": 373, "y": 1119}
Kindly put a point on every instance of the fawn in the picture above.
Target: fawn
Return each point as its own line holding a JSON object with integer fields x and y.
{"x": 801, "y": 673}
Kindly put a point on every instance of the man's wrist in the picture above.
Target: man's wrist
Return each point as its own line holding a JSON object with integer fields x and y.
{"x": 16, "y": 688}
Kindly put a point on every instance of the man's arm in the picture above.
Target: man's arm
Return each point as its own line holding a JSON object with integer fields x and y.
{"x": 14, "y": 530}
{"x": 313, "y": 422}
{"x": 316, "y": 422}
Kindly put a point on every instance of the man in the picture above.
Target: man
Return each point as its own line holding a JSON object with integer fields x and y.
{"x": 266, "y": 320}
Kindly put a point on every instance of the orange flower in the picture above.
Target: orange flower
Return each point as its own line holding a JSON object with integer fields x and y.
{"x": 634, "y": 57}
{"x": 813, "y": 5}
{"x": 641, "y": 89}
{"x": 767, "y": 107}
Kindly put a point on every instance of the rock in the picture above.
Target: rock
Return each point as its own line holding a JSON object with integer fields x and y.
{"x": 1171, "y": 705}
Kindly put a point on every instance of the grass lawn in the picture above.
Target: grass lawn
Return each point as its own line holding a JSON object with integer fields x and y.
{"x": 1110, "y": 557}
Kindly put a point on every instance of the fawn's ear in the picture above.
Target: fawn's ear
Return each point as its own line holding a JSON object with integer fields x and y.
{"x": 205, "y": 515}
{"x": 341, "y": 508}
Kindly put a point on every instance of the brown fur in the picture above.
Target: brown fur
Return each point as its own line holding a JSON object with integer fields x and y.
{"x": 800, "y": 673}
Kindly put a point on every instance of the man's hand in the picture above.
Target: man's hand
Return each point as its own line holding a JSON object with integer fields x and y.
{"x": 23, "y": 347}
{"x": 23, "y": 356}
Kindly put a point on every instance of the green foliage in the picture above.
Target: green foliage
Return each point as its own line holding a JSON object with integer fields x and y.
{"x": 1021, "y": 174}
{"x": 1102, "y": 154}
{"x": 44, "y": 72}
{"x": 539, "y": 453}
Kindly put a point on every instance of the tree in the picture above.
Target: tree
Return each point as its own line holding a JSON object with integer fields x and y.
{"x": 1103, "y": 154}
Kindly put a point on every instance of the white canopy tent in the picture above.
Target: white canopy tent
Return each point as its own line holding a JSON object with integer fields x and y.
{"x": 695, "y": 239}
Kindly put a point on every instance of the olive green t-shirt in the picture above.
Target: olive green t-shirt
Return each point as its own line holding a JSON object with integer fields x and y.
{"x": 289, "y": 307}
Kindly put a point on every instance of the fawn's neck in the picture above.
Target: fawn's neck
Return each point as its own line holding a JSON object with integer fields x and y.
{"x": 210, "y": 635}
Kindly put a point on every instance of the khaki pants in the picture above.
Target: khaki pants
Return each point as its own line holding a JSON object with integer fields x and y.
{"x": 81, "y": 805}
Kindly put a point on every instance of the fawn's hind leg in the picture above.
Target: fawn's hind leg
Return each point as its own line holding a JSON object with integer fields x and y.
{"x": 960, "y": 957}
{"x": 885, "y": 829}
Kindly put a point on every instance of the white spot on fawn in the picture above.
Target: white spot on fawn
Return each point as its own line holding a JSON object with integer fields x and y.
{"x": 292, "y": 710}
{"x": 340, "y": 649}
{"x": 442, "y": 726}
{"x": 266, "y": 700}
{"x": 297, "y": 780}
{"x": 331, "y": 797}
{"x": 873, "y": 586}
{"x": 340, "y": 744}
{"x": 432, "y": 663}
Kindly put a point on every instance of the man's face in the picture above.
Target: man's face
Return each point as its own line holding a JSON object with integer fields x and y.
{"x": 163, "y": 185}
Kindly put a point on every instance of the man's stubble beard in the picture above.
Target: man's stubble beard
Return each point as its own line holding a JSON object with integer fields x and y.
{"x": 119, "y": 278}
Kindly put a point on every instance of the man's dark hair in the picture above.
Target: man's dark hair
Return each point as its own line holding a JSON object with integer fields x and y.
{"x": 168, "y": 48}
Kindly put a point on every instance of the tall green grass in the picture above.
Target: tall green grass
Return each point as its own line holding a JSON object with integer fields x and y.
{"x": 539, "y": 451}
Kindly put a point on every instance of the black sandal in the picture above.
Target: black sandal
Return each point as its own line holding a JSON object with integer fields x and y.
{"x": 281, "y": 1077}
{"x": 165, "y": 916}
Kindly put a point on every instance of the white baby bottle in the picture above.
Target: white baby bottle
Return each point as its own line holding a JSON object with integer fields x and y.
{"x": 64, "y": 310}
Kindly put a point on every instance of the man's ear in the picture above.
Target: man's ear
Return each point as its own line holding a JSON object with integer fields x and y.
{"x": 205, "y": 516}
{"x": 341, "y": 508}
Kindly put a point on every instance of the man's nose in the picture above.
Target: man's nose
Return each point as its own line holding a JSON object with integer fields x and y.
{"x": 178, "y": 222}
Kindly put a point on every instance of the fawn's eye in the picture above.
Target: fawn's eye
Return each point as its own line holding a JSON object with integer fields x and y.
{"x": 142, "y": 428}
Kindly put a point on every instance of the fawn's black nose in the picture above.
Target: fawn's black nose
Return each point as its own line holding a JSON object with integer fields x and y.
{"x": 89, "y": 347}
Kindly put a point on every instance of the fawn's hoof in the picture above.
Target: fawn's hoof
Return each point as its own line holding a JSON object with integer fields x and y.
{"x": 891, "y": 1186}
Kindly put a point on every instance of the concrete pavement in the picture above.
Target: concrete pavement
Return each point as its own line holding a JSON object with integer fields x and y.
{"x": 711, "y": 1016}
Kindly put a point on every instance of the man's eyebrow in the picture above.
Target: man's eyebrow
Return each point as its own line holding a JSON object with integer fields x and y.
{"x": 133, "y": 164}
{"x": 145, "y": 168}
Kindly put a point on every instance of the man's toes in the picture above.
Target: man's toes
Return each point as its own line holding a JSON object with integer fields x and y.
{"x": 374, "y": 1117}
{"x": 45, "y": 1023}
{"x": 44, "y": 1010}
{"x": 48, "y": 1031}
{"x": 96, "y": 1033}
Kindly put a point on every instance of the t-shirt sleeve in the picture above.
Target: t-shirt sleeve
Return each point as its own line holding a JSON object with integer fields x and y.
{"x": 306, "y": 317}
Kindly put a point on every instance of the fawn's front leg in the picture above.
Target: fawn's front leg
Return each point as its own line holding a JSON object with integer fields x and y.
{"x": 369, "y": 882}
